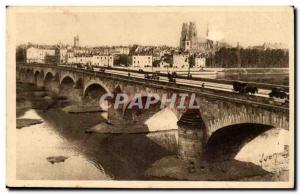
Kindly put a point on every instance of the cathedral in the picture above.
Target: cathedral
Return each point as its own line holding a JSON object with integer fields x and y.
{"x": 189, "y": 41}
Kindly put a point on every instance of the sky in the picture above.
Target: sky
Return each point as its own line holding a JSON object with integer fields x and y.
{"x": 153, "y": 26}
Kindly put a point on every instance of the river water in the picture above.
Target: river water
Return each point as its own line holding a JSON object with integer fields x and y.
{"x": 96, "y": 156}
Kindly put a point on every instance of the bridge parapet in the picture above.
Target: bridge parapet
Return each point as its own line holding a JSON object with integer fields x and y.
{"x": 251, "y": 100}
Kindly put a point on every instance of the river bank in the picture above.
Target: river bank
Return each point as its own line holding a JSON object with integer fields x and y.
{"x": 277, "y": 76}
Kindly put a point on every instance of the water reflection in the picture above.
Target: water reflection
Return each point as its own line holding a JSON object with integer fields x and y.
{"x": 36, "y": 143}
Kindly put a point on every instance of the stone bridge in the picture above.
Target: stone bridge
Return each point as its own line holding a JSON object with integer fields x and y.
{"x": 224, "y": 123}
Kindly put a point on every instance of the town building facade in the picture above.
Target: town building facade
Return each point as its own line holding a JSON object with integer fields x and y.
{"x": 199, "y": 62}
{"x": 141, "y": 60}
{"x": 39, "y": 54}
{"x": 180, "y": 60}
{"x": 102, "y": 60}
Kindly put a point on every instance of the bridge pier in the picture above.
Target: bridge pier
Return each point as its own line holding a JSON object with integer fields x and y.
{"x": 30, "y": 80}
{"x": 53, "y": 86}
{"x": 191, "y": 131}
{"x": 74, "y": 95}
{"x": 22, "y": 77}
{"x": 115, "y": 114}
{"x": 40, "y": 81}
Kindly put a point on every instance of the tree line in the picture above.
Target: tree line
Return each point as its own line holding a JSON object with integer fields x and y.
{"x": 248, "y": 58}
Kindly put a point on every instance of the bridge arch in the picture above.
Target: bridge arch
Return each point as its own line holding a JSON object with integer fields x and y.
{"x": 260, "y": 117}
{"x": 92, "y": 92}
{"x": 37, "y": 70}
{"x": 66, "y": 75}
{"x": 47, "y": 71}
{"x": 28, "y": 71}
{"x": 94, "y": 83}
{"x": 226, "y": 142}
{"x": 150, "y": 117}
{"x": 67, "y": 81}
{"x": 49, "y": 77}
{"x": 129, "y": 110}
{"x": 38, "y": 76}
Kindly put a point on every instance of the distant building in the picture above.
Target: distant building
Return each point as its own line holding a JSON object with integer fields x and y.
{"x": 61, "y": 54}
{"x": 141, "y": 60}
{"x": 70, "y": 56}
{"x": 180, "y": 60}
{"x": 89, "y": 59}
{"x": 120, "y": 50}
{"x": 79, "y": 59}
{"x": 39, "y": 54}
{"x": 102, "y": 60}
{"x": 199, "y": 62}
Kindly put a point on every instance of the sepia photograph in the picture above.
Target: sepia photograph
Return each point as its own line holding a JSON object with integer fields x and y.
{"x": 150, "y": 97}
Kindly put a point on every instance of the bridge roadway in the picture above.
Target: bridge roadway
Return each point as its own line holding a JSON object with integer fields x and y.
{"x": 202, "y": 76}
{"x": 196, "y": 83}
{"x": 216, "y": 90}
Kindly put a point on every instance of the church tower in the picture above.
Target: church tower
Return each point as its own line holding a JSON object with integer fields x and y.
{"x": 186, "y": 43}
{"x": 189, "y": 38}
{"x": 184, "y": 33}
{"x": 193, "y": 35}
